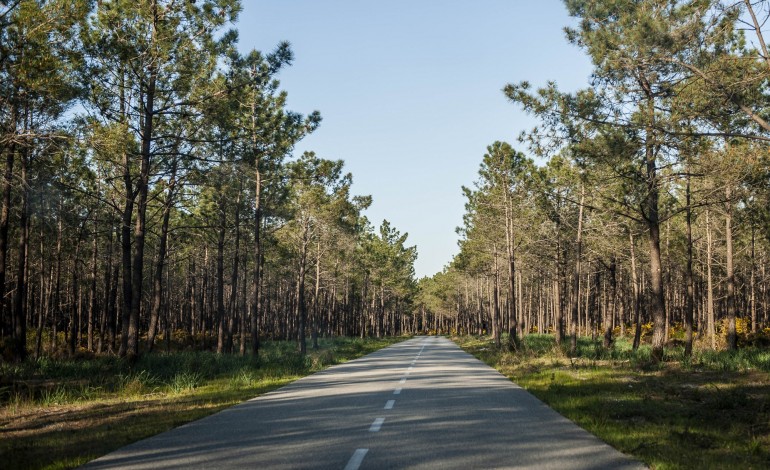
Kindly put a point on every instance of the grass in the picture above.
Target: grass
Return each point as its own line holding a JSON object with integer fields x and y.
{"x": 710, "y": 411}
{"x": 57, "y": 414}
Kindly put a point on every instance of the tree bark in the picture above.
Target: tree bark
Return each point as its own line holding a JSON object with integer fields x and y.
{"x": 658, "y": 306}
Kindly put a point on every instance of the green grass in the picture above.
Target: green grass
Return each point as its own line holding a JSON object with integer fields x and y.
{"x": 710, "y": 411}
{"x": 57, "y": 414}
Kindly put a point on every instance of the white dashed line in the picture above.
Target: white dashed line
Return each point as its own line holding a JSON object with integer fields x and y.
{"x": 403, "y": 381}
{"x": 397, "y": 391}
{"x": 356, "y": 459}
{"x": 376, "y": 425}
{"x": 389, "y": 404}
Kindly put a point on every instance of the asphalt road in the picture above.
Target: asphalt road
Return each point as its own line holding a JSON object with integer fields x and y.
{"x": 422, "y": 403}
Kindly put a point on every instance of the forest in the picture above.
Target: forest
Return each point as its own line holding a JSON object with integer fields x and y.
{"x": 642, "y": 206}
{"x": 149, "y": 192}
{"x": 168, "y": 249}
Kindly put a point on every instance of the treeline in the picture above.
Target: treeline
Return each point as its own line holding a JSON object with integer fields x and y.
{"x": 148, "y": 193}
{"x": 651, "y": 212}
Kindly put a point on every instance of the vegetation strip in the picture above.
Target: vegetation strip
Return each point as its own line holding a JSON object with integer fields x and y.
{"x": 100, "y": 405}
{"x": 710, "y": 411}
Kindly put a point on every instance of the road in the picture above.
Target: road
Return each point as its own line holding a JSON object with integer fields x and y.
{"x": 423, "y": 403}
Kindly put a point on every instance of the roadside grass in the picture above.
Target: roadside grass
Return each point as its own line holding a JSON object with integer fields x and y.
{"x": 711, "y": 411}
{"x": 58, "y": 414}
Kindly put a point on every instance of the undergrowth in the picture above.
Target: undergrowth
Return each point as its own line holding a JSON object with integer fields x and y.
{"x": 63, "y": 413}
{"x": 711, "y": 410}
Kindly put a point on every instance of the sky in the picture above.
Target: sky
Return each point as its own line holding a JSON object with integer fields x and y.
{"x": 410, "y": 94}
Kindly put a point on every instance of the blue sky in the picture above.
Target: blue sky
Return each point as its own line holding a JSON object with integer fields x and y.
{"x": 410, "y": 94}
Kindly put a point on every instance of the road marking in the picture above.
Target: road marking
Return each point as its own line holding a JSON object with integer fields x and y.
{"x": 376, "y": 425}
{"x": 389, "y": 404}
{"x": 403, "y": 381}
{"x": 397, "y": 391}
{"x": 356, "y": 459}
{"x": 410, "y": 368}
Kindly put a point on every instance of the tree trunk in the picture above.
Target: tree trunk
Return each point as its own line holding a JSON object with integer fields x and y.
{"x": 558, "y": 312}
{"x": 92, "y": 291}
{"x": 257, "y": 279}
{"x": 658, "y": 306}
{"x": 301, "y": 307}
{"x": 511, "y": 252}
{"x": 690, "y": 299}
{"x": 233, "y": 307}
{"x": 576, "y": 277}
{"x": 45, "y": 295}
{"x": 143, "y": 185}
{"x": 753, "y": 284}
{"x": 220, "y": 288}
{"x": 157, "y": 280}
{"x": 73, "y": 325}
{"x": 125, "y": 250}
{"x": 637, "y": 295}
{"x": 710, "y": 284}
{"x": 5, "y": 212}
{"x": 732, "y": 336}
{"x": 609, "y": 313}
{"x": 316, "y": 291}
{"x": 496, "y": 304}
{"x": 56, "y": 310}
{"x": 19, "y": 307}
